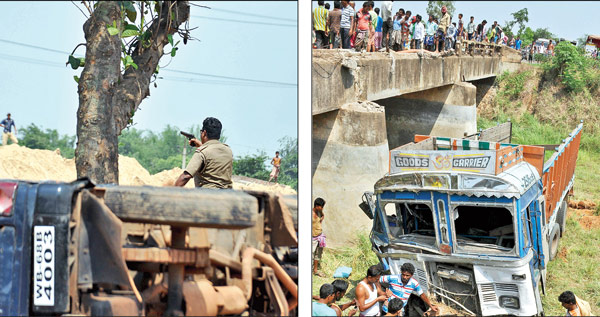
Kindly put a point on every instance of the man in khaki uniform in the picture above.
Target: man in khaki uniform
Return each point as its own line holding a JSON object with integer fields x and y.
{"x": 212, "y": 164}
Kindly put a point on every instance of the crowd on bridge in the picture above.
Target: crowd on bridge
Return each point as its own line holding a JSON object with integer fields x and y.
{"x": 380, "y": 29}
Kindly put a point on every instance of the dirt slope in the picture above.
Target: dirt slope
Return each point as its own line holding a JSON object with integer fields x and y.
{"x": 18, "y": 162}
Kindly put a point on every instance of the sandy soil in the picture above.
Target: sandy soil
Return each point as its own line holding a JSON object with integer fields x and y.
{"x": 18, "y": 162}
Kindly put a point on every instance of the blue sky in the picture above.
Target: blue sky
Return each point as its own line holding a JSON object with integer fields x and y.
{"x": 567, "y": 19}
{"x": 36, "y": 87}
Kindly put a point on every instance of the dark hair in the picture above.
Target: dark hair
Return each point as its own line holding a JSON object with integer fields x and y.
{"x": 374, "y": 270}
{"x": 371, "y": 4}
{"x": 319, "y": 202}
{"x": 460, "y": 14}
{"x": 408, "y": 267}
{"x": 365, "y": 4}
{"x": 327, "y": 6}
{"x": 401, "y": 10}
{"x": 320, "y": 2}
{"x": 409, "y": 13}
{"x": 394, "y": 305}
{"x": 472, "y": 17}
{"x": 212, "y": 126}
{"x": 484, "y": 21}
{"x": 326, "y": 290}
{"x": 337, "y": 4}
{"x": 276, "y": 152}
{"x": 376, "y": 10}
{"x": 567, "y": 297}
{"x": 419, "y": 17}
{"x": 340, "y": 285}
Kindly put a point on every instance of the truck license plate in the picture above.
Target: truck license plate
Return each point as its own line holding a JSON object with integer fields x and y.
{"x": 43, "y": 266}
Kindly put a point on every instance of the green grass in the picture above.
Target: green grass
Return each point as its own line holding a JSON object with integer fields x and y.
{"x": 357, "y": 255}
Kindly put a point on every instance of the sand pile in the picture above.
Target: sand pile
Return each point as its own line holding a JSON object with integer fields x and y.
{"x": 18, "y": 162}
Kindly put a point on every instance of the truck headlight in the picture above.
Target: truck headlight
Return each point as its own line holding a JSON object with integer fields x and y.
{"x": 509, "y": 302}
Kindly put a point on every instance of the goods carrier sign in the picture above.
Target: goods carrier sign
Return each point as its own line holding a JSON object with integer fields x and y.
{"x": 463, "y": 161}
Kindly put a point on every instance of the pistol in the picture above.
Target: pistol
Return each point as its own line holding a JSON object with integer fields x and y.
{"x": 189, "y": 136}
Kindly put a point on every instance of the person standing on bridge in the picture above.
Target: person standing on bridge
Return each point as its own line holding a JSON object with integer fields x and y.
{"x": 471, "y": 29}
{"x": 419, "y": 33}
{"x": 346, "y": 23}
{"x": 388, "y": 24}
{"x": 430, "y": 29}
{"x": 318, "y": 237}
{"x": 276, "y": 162}
{"x": 333, "y": 24}
{"x": 212, "y": 163}
{"x": 363, "y": 27}
{"x": 319, "y": 19}
{"x": 7, "y": 124}
{"x": 442, "y": 28}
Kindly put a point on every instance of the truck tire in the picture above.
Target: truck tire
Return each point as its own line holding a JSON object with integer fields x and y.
{"x": 553, "y": 241}
{"x": 561, "y": 217}
{"x": 208, "y": 208}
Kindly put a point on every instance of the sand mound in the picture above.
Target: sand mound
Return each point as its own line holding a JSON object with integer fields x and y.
{"x": 18, "y": 162}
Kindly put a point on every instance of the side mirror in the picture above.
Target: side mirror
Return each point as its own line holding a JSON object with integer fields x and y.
{"x": 366, "y": 209}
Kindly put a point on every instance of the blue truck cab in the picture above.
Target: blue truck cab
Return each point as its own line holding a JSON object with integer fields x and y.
{"x": 472, "y": 218}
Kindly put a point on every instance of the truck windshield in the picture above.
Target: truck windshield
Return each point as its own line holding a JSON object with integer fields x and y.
{"x": 411, "y": 223}
{"x": 484, "y": 229}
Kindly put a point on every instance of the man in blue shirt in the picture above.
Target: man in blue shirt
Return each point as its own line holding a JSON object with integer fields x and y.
{"x": 403, "y": 285}
{"x": 518, "y": 43}
{"x": 327, "y": 296}
{"x": 7, "y": 124}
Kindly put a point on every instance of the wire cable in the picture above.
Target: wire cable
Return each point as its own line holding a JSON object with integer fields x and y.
{"x": 243, "y": 21}
{"x": 252, "y": 14}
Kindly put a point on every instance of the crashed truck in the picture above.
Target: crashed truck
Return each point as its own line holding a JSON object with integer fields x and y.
{"x": 478, "y": 219}
{"x": 80, "y": 249}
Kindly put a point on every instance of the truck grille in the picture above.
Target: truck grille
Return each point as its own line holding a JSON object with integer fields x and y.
{"x": 422, "y": 278}
{"x": 488, "y": 293}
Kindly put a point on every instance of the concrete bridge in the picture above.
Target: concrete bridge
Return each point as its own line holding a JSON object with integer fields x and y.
{"x": 365, "y": 104}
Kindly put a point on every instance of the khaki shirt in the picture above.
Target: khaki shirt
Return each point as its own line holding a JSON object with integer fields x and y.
{"x": 444, "y": 22}
{"x": 212, "y": 165}
{"x": 316, "y": 225}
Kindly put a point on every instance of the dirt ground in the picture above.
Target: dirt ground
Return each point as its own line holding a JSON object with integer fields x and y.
{"x": 588, "y": 216}
{"x": 18, "y": 162}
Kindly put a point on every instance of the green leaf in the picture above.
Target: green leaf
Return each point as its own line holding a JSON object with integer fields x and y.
{"x": 128, "y": 33}
{"x": 176, "y": 43}
{"x": 81, "y": 62}
{"x": 74, "y": 62}
{"x": 131, "y": 15}
{"x": 112, "y": 30}
{"x": 76, "y": 79}
{"x": 173, "y": 51}
{"x": 134, "y": 65}
{"x": 157, "y": 69}
{"x": 170, "y": 37}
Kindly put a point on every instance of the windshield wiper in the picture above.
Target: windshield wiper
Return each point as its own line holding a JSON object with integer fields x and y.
{"x": 484, "y": 245}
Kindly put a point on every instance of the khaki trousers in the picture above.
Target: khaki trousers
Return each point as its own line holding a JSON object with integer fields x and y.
{"x": 5, "y": 137}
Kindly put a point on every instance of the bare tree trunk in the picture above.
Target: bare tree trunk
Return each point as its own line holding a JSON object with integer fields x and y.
{"x": 107, "y": 99}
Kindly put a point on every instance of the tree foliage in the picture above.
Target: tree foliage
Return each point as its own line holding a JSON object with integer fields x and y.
{"x": 35, "y": 137}
{"x": 435, "y": 8}
{"x": 581, "y": 41}
{"x": 519, "y": 18}
{"x": 576, "y": 71}
{"x": 252, "y": 166}
{"x": 125, "y": 40}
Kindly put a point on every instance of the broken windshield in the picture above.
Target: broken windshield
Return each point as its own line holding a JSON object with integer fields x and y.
{"x": 411, "y": 223}
{"x": 484, "y": 229}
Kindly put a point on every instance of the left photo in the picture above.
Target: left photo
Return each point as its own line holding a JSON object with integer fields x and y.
{"x": 149, "y": 158}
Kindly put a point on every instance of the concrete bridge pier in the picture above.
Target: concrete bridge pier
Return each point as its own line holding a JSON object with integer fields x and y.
{"x": 448, "y": 111}
{"x": 350, "y": 153}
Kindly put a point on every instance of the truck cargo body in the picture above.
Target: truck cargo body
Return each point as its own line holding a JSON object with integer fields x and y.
{"x": 476, "y": 219}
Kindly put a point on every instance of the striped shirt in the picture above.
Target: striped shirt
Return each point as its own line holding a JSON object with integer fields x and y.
{"x": 320, "y": 18}
{"x": 347, "y": 14}
{"x": 400, "y": 290}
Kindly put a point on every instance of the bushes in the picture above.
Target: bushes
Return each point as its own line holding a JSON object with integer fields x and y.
{"x": 576, "y": 71}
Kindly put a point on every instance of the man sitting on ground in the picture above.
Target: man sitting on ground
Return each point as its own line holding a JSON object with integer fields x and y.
{"x": 575, "y": 306}
{"x": 340, "y": 287}
{"x": 321, "y": 307}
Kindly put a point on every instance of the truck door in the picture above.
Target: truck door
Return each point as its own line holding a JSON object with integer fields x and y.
{"x": 538, "y": 237}
{"x": 440, "y": 201}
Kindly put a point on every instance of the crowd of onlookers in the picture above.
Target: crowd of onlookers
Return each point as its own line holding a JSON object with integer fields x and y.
{"x": 377, "y": 29}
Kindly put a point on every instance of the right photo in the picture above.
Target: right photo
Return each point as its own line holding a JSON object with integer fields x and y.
{"x": 455, "y": 146}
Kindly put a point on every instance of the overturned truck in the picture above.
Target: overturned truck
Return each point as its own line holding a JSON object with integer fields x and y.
{"x": 77, "y": 248}
{"x": 479, "y": 220}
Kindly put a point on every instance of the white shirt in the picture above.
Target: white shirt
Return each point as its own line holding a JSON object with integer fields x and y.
{"x": 419, "y": 31}
{"x": 386, "y": 10}
{"x": 373, "y": 310}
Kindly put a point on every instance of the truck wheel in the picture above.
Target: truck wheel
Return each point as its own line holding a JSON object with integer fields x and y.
{"x": 561, "y": 217}
{"x": 209, "y": 208}
{"x": 553, "y": 241}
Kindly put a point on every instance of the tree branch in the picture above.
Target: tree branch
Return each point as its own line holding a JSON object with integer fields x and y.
{"x": 87, "y": 6}
{"x": 135, "y": 85}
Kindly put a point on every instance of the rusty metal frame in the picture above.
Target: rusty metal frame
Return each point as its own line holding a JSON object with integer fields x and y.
{"x": 197, "y": 257}
{"x": 275, "y": 292}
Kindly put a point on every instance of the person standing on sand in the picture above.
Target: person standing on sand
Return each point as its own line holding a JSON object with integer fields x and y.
{"x": 318, "y": 238}
{"x": 7, "y": 124}
{"x": 276, "y": 162}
